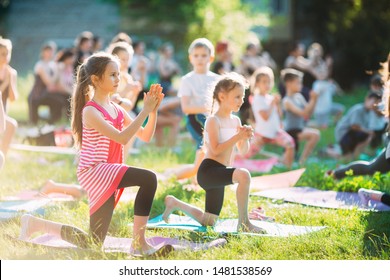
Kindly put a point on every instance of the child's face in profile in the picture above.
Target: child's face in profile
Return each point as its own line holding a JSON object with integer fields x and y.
{"x": 264, "y": 84}
{"x": 200, "y": 59}
{"x": 233, "y": 99}
{"x": 294, "y": 85}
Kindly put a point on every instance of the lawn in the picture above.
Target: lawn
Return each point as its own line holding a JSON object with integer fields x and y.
{"x": 350, "y": 234}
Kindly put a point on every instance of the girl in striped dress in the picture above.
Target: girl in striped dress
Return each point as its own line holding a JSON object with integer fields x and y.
{"x": 101, "y": 128}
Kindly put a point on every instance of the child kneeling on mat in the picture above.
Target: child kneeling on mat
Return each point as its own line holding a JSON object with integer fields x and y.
{"x": 223, "y": 131}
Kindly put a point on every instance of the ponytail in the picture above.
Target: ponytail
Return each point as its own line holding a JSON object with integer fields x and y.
{"x": 93, "y": 65}
{"x": 80, "y": 98}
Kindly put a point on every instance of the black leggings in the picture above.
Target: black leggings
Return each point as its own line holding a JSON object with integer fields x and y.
{"x": 380, "y": 164}
{"x": 100, "y": 220}
{"x": 385, "y": 199}
{"x": 213, "y": 177}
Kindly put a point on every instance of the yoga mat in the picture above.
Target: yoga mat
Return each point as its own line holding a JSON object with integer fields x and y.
{"x": 44, "y": 149}
{"x": 230, "y": 226}
{"x": 255, "y": 165}
{"x": 119, "y": 244}
{"x": 34, "y": 195}
{"x": 326, "y": 199}
{"x": 13, "y": 209}
{"x": 280, "y": 180}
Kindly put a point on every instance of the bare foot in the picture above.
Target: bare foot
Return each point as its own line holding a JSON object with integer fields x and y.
{"x": 46, "y": 189}
{"x": 144, "y": 250}
{"x": 170, "y": 204}
{"x": 26, "y": 229}
{"x": 249, "y": 227}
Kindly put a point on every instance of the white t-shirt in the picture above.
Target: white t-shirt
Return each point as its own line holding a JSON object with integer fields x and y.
{"x": 199, "y": 87}
{"x": 267, "y": 128}
{"x": 325, "y": 91}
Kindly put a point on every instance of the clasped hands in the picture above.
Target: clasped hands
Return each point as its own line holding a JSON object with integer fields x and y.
{"x": 153, "y": 98}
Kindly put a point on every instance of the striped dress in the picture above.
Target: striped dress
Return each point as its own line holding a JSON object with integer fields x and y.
{"x": 101, "y": 167}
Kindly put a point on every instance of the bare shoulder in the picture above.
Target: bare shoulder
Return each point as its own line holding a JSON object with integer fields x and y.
{"x": 237, "y": 120}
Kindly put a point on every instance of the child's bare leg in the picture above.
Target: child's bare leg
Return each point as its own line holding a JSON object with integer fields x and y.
{"x": 31, "y": 224}
{"x": 172, "y": 204}
{"x": 191, "y": 170}
{"x": 360, "y": 148}
{"x": 10, "y": 129}
{"x": 289, "y": 156}
{"x": 311, "y": 136}
{"x": 139, "y": 240}
{"x": 159, "y": 134}
{"x": 174, "y": 131}
{"x": 243, "y": 178}
{"x": 71, "y": 189}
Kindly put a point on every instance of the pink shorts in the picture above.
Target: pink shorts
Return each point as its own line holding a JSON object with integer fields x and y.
{"x": 282, "y": 139}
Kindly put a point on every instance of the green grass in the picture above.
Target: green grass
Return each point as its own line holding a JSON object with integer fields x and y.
{"x": 350, "y": 234}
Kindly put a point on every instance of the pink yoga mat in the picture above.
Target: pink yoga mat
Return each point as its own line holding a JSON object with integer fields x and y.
{"x": 280, "y": 180}
{"x": 119, "y": 244}
{"x": 326, "y": 199}
{"x": 33, "y": 195}
{"x": 255, "y": 165}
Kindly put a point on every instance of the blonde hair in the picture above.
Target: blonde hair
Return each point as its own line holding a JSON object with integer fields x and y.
{"x": 263, "y": 71}
{"x": 6, "y": 43}
{"x": 115, "y": 48}
{"x": 202, "y": 43}
{"x": 93, "y": 65}
{"x": 227, "y": 83}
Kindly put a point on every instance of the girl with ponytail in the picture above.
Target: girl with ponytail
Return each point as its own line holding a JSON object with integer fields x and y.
{"x": 101, "y": 128}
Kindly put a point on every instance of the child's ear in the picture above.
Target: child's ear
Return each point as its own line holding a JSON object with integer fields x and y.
{"x": 95, "y": 80}
{"x": 211, "y": 59}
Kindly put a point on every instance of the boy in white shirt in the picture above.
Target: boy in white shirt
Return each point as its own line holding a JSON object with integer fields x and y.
{"x": 196, "y": 96}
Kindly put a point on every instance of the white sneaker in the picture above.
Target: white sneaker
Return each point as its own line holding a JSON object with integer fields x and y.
{"x": 364, "y": 195}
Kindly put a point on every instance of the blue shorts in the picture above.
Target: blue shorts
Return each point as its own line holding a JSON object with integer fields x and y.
{"x": 195, "y": 125}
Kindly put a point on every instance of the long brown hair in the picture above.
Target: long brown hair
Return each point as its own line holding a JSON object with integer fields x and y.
{"x": 83, "y": 92}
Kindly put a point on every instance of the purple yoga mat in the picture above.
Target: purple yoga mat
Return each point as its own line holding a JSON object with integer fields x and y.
{"x": 119, "y": 244}
{"x": 326, "y": 199}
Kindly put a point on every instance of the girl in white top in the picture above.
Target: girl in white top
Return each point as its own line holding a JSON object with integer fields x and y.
{"x": 268, "y": 114}
{"x": 223, "y": 132}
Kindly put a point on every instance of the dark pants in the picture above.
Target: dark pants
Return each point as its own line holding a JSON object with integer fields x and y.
{"x": 57, "y": 102}
{"x": 100, "y": 220}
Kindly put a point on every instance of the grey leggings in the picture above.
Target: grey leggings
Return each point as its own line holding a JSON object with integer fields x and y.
{"x": 100, "y": 220}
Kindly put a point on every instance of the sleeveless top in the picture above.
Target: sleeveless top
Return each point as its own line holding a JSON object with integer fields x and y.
{"x": 225, "y": 133}
{"x": 101, "y": 167}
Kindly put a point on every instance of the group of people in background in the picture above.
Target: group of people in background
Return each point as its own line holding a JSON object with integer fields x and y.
{"x": 227, "y": 109}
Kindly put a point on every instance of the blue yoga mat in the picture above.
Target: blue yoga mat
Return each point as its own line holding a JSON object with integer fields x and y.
{"x": 15, "y": 208}
{"x": 230, "y": 226}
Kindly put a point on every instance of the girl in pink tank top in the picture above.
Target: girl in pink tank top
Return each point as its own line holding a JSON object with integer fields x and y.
{"x": 101, "y": 128}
